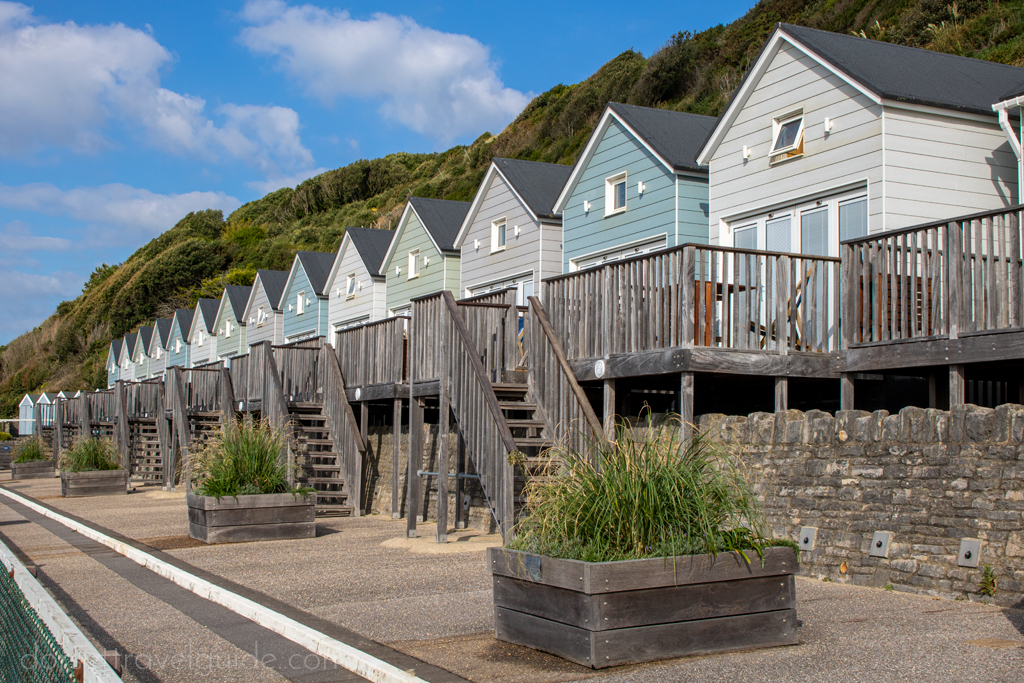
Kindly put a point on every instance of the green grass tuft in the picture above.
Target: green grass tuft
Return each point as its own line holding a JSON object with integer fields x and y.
{"x": 244, "y": 460}
{"x": 646, "y": 495}
{"x": 91, "y": 455}
{"x": 30, "y": 451}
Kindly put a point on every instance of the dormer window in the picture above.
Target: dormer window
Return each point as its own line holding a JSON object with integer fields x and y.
{"x": 615, "y": 194}
{"x": 787, "y": 137}
{"x": 300, "y": 303}
{"x": 414, "y": 264}
{"x": 498, "y": 235}
{"x": 350, "y": 286}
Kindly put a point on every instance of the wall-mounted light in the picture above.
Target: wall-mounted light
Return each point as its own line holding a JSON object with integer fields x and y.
{"x": 398, "y": 270}
{"x": 359, "y": 285}
{"x": 586, "y": 206}
{"x": 746, "y": 152}
{"x": 476, "y": 244}
{"x": 640, "y": 187}
{"x": 426, "y": 261}
{"x": 515, "y": 231}
{"x": 289, "y": 307}
{"x": 828, "y": 125}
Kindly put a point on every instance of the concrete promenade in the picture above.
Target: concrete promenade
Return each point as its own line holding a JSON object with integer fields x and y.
{"x": 428, "y": 608}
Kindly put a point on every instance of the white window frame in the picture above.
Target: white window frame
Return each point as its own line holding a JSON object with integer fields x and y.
{"x": 792, "y": 151}
{"x": 158, "y": 352}
{"x": 413, "y": 270}
{"x": 617, "y": 253}
{"x": 300, "y": 303}
{"x": 610, "y": 184}
{"x": 227, "y": 329}
{"x": 261, "y": 316}
{"x": 350, "y": 286}
{"x": 499, "y": 227}
{"x": 177, "y": 345}
{"x": 795, "y": 211}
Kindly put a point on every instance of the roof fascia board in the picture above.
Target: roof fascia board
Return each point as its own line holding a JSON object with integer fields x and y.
{"x": 197, "y": 318}
{"x": 938, "y": 111}
{"x": 591, "y": 148}
{"x": 758, "y": 71}
{"x": 291, "y": 278}
{"x": 336, "y": 266}
{"x": 399, "y": 231}
{"x": 478, "y": 201}
{"x": 252, "y": 296}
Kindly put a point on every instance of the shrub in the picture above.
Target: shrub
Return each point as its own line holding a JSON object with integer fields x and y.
{"x": 4, "y": 436}
{"x": 91, "y": 455}
{"x": 644, "y": 495}
{"x": 30, "y": 451}
{"x": 244, "y": 460}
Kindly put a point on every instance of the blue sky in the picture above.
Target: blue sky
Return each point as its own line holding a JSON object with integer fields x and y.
{"x": 117, "y": 118}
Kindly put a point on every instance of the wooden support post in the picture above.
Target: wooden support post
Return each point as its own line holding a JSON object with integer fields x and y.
{"x": 686, "y": 407}
{"x": 460, "y": 489}
{"x": 781, "y": 393}
{"x": 956, "y": 386}
{"x": 163, "y": 433}
{"x": 226, "y": 398}
{"x": 357, "y": 473}
{"x": 846, "y": 391}
{"x": 609, "y": 409}
{"x": 58, "y": 428}
{"x": 933, "y": 390}
{"x": 37, "y": 422}
{"x": 122, "y": 430}
{"x": 443, "y": 421}
{"x": 412, "y": 479}
{"x": 396, "y": 458}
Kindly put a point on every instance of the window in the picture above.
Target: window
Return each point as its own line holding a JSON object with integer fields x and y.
{"x": 350, "y": 286}
{"x": 177, "y": 345}
{"x": 300, "y": 303}
{"x": 615, "y": 194}
{"x": 787, "y": 137}
{"x": 261, "y": 316}
{"x": 414, "y": 264}
{"x": 199, "y": 338}
{"x": 779, "y": 234}
{"x": 814, "y": 227}
{"x": 498, "y": 235}
{"x": 618, "y": 252}
{"x": 227, "y": 328}
{"x": 159, "y": 352}
{"x": 814, "y": 232}
{"x": 746, "y": 237}
{"x": 853, "y": 218}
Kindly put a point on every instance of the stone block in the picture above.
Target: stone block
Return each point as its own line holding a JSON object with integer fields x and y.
{"x": 913, "y": 424}
{"x": 979, "y": 424}
{"x": 890, "y": 428}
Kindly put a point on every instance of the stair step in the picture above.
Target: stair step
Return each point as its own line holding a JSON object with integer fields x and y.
{"x": 516, "y": 405}
{"x": 532, "y": 442}
{"x": 509, "y": 388}
{"x": 324, "y": 480}
{"x": 528, "y": 424}
{"x": 328, "y": 510}
{"x": 315, "y": 442}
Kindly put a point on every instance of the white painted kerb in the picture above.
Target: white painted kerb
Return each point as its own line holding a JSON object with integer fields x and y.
{"x": 70, "y": 638}
{"x": 334, "y": 650}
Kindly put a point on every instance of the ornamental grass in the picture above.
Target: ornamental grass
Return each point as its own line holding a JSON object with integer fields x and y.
{"x": 91, "y": 455}
{"x": 645, "y": 494}
{"x": 244, "y": 460}
{"x": 30, "y": 451}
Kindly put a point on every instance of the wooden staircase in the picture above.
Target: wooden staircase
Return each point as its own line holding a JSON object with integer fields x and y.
{"x": 146, "y": 458}
{"x": 318, "y": 460}
{"x": 527, "y": 426}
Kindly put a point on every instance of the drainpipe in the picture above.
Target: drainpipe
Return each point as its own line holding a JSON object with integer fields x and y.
{"x": 1002, "y": 109}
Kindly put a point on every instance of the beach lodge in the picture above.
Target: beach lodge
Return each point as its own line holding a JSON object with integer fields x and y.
{"x": 847, "y": 235}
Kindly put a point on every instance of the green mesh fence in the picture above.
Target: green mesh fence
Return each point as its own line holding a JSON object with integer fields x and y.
{"x": 28, "y": 651}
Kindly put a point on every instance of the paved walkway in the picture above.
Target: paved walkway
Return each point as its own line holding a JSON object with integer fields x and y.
{"x": 433, "y": 603}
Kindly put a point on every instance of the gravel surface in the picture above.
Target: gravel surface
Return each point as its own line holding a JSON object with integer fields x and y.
{"x": 361, "y": 573}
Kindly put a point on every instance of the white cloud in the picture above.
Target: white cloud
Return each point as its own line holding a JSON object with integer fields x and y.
{"x": 442, "y": 85}
{"x": 273, "y": 184}
{"x": 134, "y": 213}
{"x": 38, "y": 295}
{"x": 16, "y": 236}
{"x": 63, "y": 84}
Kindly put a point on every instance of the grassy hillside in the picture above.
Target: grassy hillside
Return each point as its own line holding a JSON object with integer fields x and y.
{"x": 692, "y": 72}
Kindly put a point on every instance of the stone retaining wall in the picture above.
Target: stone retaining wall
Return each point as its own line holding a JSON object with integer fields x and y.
{"x": 930, "y": 477}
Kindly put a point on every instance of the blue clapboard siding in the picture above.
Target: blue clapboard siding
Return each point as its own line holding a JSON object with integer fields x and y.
{"x": 314, "y": 318}
{"x": 178, "y": 348}
{"x": 647, "y": 215}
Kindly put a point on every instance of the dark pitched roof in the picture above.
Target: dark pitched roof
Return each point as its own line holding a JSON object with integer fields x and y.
{"x": 209, "y": 308}
{"x": 51, "y": 395}
{"x": 539, "y": 184}
{"x": 372, "y": 245}
{"x": 146, "y": 333}
{"x": 318, "y": 267}
{"x": 184, "y": 317}
{"x": 442, "y": 218}
{"x": 914, "y": 75}
{"x": 238, "y": 297}
{"x": 677, "y": 136}
{"x": 129, "y": 343}
{"x": 163, "y": 330}
{"x": 115, "y": 346}
{"x": 273, "y": 284}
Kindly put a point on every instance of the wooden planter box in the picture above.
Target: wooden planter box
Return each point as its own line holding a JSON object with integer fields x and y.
{"x": 98, "y": 483}
{"x": 40, "y": 469}
{"x": 267, "y": 517}
{"x": 602, "y": 614}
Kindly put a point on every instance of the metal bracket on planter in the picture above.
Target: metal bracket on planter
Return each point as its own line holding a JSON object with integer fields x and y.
{"x": 808, "y": 535}
{"x": 970, "y": 552}
{"x": 880, "y": 544}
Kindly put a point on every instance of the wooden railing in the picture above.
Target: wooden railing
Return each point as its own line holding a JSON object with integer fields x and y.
{"x": 491, "y": 328}
{"x": 143, "y": 399}
{"x": 239, "y": 371}
{"x": 345, "y": 432}
{"x": 567, "y": 411}
{"x": 301, "y": 372}
{"x": 203, "y": 388}
{"x": 256, "y": 368}
{"x": 424, "y": 350}
{"x": 698, "y": 295}
{"x": 465, "y": 384}
{"x": 374, "y": 353}
{"x": 945, "y": 278}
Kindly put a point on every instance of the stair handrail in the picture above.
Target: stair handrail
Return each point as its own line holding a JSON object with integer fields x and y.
{"x": 501, "y": 499}
{"x": 334, "y": 389}
{"x": 276, "y": 411}
{"x": 559, "y": 352}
